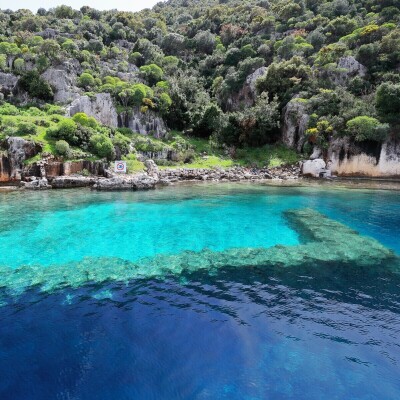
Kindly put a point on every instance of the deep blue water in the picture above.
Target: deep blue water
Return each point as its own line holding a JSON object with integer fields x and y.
{"x": 304, "y": 334}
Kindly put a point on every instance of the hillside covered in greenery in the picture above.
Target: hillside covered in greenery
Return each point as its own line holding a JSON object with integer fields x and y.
{"x": 222, "y": 72}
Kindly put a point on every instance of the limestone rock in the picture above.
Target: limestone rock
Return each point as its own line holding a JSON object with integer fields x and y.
{"x": 133, "y": 182}
{"x": 64, "y": 84}
{"x": 100, "y": 107}
{"x": 18, "y": 150}
{"x": 314, "y": 168}
{"x": 369, "y": 159}
{"x": 148, "y": 123}
{"x": 72, "y": 181}
{"x": 151, "y": 168}
{"x": 352, "y": 66}
{"x": 8, "y": 83}
{"x": 295, "y": 123}
{"x": 36, "y": 184}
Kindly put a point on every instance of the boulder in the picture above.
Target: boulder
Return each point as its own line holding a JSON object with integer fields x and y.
{"x": 352, "y": 67}
{"x": 314, "y": 168}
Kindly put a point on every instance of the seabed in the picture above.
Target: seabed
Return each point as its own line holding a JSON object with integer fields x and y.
{"x": 323, "y": 241}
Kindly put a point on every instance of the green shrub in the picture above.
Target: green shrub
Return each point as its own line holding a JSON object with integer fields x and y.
{"x": 367, "y": 128}
{"x": 86, "y": 80}
{"x": 9, "y": 109}
{"x": 62, "y": 148}
{"x": 52, "y": 109}
{"x": 65, "y": 130}
{"x": 101, "y": 145}
{"x": 122, "y": 142}
{"x": 26, "y": 128}
{"x": 34, "y": 112}
{"x": 36, "y": 86}
{"x": 84, "y": 120}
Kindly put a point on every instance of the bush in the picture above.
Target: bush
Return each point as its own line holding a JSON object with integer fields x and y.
{"x": 26, "y": 128}
{"x": 367, "y": 128}
{"x": 101, "y": 145}
{"x": 62, "y": 148}
{"x": 84, "y": 120}
{"x": 122, "y": 142}
{"x": 65, "y": 130}
{"x": 86, "y": 80}
{"x": 9, "y": 109}
{"x": 36, "y": 86}
{"x": 52, "y": 109}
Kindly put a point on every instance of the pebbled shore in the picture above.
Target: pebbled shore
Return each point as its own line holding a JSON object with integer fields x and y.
{"x": 155, "y": 177}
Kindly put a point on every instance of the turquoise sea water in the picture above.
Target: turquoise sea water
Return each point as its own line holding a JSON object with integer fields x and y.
{"x": 311, "y": 333}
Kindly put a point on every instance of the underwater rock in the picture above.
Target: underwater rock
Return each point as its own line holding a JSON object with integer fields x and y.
{"x": 324, "y": 242}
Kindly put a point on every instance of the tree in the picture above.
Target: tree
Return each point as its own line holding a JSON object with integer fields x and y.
{"x": 388, "y": 102}
{"x": 367, "y": 128}
{"x": 84, "y": 120}
{"x": 36, "y": 86}
{"x": 205, "y": 42}
{"x": 86, "y": 80}
{"x": 66, "y": 130}
{"x": 102, "y": 146}
{"x": 153, "y": 73}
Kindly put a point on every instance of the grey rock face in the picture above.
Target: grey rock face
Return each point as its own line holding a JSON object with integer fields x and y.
{"x": 248, "y": 93}
{"x": 8, "y": 83}
{"x": 151, "y": 168}
{"x": 17, "y": 151}
{"x": 352, "y": 66}
{"x": 295, "y": 124}
{"x": 370, "y": 159}
{"x": 148, "y": 123}
{"x": 64, "y": 84}
{"x": 100, "y": 107}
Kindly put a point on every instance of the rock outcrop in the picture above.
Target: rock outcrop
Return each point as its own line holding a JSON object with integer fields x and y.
{"x": 73, "y": 181}
{"x": 248, "y": 93}
{"x": 369, "y": 159}
{"x": 63, "y": 82}
{"x": 100, "y": 106}
{"x": 128, "y": 182}
{"x": 349, "y": 67}
{"x": 295, "y": 123}
{"x": 8, "y": 83}
{"x": 17, "y": 150}
{"x": 148, "y": 123}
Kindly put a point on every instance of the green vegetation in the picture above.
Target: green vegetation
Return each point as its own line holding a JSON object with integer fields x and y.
{"x": 221, "y": 71}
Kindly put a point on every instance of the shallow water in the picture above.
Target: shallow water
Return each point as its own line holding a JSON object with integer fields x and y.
{"x": 308, "y": 333}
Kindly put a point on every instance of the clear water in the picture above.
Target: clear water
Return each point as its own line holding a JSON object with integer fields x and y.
{"x": 310, "y": 333}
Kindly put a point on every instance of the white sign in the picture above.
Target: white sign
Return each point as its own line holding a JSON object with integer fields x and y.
{"x": 120, "y": 166}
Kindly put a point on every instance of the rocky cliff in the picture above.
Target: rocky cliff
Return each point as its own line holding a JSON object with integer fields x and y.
{"x": 369, "y": 159}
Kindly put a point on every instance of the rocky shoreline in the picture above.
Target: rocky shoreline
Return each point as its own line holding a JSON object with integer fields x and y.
{"x": 154, "y": 177}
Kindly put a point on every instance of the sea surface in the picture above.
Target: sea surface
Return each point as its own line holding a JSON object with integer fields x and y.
{"x": 309, "y": 333}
